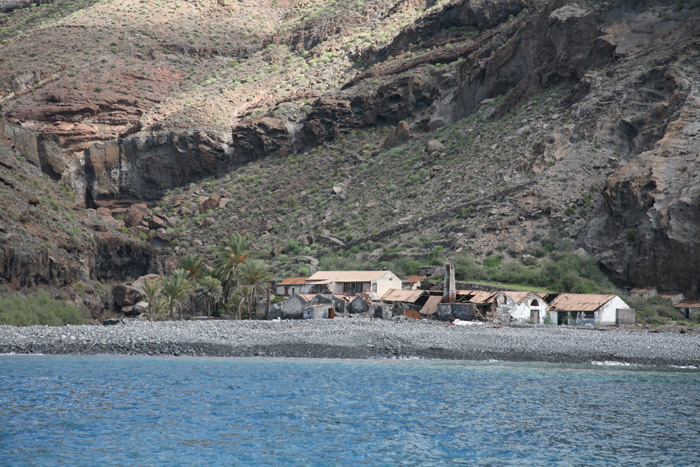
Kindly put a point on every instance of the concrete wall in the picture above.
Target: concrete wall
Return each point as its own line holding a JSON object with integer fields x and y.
{"x": 291, "y": 289}
{"x": 607, "y": 314}
{"x": 292, "y": 308}
{"x": 383, "y": 284}
{"x": 452, "y": 311}
{"x": 316, "y": 312}
{"x": 626, "y": 316}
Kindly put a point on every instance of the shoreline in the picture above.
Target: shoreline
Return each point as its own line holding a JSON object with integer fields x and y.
{"x": 361, "y": 338}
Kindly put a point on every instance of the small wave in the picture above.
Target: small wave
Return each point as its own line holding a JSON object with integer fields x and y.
{"x": 15, "y": 353}
{"x": 612, "y": 363}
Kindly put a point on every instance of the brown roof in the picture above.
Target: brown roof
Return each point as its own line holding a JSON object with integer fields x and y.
{"x": 477, "y": 296}
{"x": 400, "y": 295}
{"x": 346, "y": 276}
{"x": 579, "y": 302}
{"x": 293, "y": 281}
{"x": 413, "y": 279}
{"x": 307, "y": 296}
{"x": 643, "y": 290}
{"x": 688, "y": 304}
{"x": 670, "y": 295}
{"x": 517, "y": 296}
{"x": 430, "y": 307}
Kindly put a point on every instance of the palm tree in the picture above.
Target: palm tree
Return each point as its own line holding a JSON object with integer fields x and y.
{"x": 239, "y": 299}
{"x": 255, "y": 275}
{"x": 176, "y": 291}
{"x": 209, "y": 291}
{"x": 231, "y": 255}
{"x": 194, "y": 265}
{"x": 152, "y": 291}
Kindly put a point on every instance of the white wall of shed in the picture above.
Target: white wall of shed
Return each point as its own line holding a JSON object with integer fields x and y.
{"x": 607, "y": 313}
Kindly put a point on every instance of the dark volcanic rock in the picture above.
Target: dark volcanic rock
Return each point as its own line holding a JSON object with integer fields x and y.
{"x": 144, "y": 167}
{"x": 125, "y": 296}
{"x": 262, "y": 137}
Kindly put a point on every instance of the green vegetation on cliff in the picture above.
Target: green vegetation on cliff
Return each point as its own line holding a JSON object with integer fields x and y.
{"x": 39, "y": 308}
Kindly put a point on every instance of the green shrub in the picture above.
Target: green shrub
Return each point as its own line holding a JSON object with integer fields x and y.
{"x": 39, "y": 308}
{"x": 291, "y": 247}
{"x": 654, "y": 310}
{"x": 467, "y": 269}
{"x": 304, "y": 271}
{"x": 493, "y": 261}
{"x": 435, "y": 257}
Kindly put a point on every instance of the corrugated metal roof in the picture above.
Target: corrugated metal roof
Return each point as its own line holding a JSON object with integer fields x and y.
{"x": 400, "y": 295}
{"x": 413, "y": 279}
{"x": 347, "y": 276}
{"x": 430, "y": 307}
{"x": 293, "y": 281}
{"x": 477, "y": 296}
{"x": 517, "y": 295}
{"x": 579, "y": 302}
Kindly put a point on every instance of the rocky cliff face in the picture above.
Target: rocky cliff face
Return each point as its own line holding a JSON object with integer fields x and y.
{"x": 144, "y": 167}
{"x": 623, "y": 125}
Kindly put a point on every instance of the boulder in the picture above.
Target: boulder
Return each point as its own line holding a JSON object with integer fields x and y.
{"x": 136, "y": 214}
{"x": 400, "y": 135}
{"x": 210, "y": 203}
{"x": 139, "y": 283}
{"x": 305, "y": 239}
{"x": 103, "y": 212}
{"x": 158, "y": 222}
{"x": 125, "y": 295}
{"x": 141, "y": 307}
{"x": 276, "y": 251}
{"x": 434, "y": 147}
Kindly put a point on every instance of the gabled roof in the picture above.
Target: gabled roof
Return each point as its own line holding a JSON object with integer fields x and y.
{"x": 400, "y": 295}
{"x": 518, "y": 296}
{"x": 293, "y": 281}
{"x": 346, "y": 276}
{"x": 579, "y": 302}
{"x": 413, "y": 279}
{"x": 306, "y": 296}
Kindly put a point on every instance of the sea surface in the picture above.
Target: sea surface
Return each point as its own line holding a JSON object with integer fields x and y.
{"x": 144, "y": 411}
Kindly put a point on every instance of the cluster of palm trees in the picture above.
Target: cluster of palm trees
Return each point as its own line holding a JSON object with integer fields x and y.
{"x": 234, "y": 285}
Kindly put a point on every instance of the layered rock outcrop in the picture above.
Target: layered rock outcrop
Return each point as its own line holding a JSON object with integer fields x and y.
{"x": 143, "y": 167}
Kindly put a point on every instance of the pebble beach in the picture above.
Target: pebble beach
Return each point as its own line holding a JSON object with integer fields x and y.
{"x": 361, "y": 338}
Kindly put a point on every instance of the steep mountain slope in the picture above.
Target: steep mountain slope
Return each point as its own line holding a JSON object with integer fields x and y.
{"x": 377, "y": 130}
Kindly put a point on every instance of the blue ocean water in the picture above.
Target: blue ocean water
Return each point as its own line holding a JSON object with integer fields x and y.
{"x": 143, "y": 411}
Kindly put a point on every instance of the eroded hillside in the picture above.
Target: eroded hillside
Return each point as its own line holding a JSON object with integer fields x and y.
{"x": 373, "y": 132}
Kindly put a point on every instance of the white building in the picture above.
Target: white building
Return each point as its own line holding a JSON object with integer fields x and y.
{"x": 591, "y": 309}
{"x": 373, "y": 283}
{"x": 525, "y": 307}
